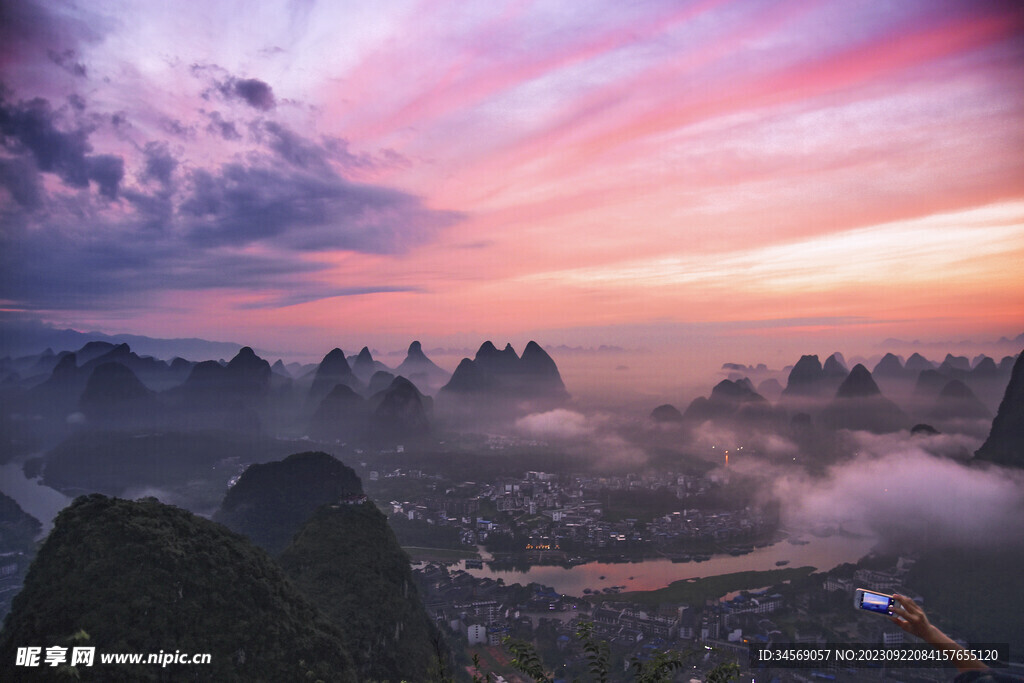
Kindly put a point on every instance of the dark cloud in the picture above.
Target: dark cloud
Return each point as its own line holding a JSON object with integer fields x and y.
{"x": 98, "y": 267}
{"x": 36, "y": 31}
{"x": 21, "y": 179}
{"x": 182, "y": 227}
{"x": 221, "y": 127}
{"x": 252, "y": 91}
{"x": 160, "y": 165}
{"x": 29, "y": 128}
{"x": 93, "y": 271}
{"x": 245, "y": 204}
{"x": 67, "y": 60}
{"x": 295, "y": 149}
{"x": 177, "y": 128}
{"x": 325, "y": 293}
{"x": 155, "y": 211}
{"x": 107, "y": 171}
{"x": 85, "y": 256}
{"x": 311, "y": 155}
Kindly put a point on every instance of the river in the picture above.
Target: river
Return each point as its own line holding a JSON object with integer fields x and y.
{"x": 822, "y": 553}
{"x": 42, "y": 502}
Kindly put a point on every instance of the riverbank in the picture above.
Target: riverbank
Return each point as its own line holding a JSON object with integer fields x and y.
{"x": 696, "y": 591}
{"x": 820, "y": 553}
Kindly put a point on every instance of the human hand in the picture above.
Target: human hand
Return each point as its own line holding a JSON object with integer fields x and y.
{"x": 912, "y": 619}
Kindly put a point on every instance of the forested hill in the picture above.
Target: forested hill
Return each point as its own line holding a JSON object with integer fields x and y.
{"x": 348, "y": 561}
{"x": 271, "y": 501}
{"x": 146, "y": 577}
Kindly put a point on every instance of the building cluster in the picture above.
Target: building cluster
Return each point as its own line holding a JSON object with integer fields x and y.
{"x": 561, "y": 518}
{"x": 483, "y": 611}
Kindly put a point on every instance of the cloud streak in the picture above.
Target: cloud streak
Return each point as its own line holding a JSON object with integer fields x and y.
{"x": 630, "y": 164}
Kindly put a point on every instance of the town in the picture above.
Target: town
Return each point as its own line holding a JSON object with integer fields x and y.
{"x": 545, "y": 518}
{"x": 707, "y": 630}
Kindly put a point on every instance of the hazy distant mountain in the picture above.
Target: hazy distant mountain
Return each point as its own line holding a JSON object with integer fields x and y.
{"x": 1005, "y": 443}
{"x": 858, "y": 384}
{"x": 833, "y": 372}
{"x": 930, "y": 383}
{"x": 179, "y": 369}
{"x": 805, "y": 378}
{"x": 332, "y": 371}
{"x": 469, "y": 378}
{"x": 343, "y": 415}
{"x": 113, "y": 394}
{"x": 379, "y": 382}
{"x": 347, "y": 560}
{"x": 957, "y": 401}
{"x": 984, "y": 367}
{"x": 145, "y": 577}
{"x": 230, "y": 396}
{"x": 422, "y": 371}
{"x": 728, "y": 400}
{"x": 27, "y": 337}
{"x": 890, "y": 367}
{"x": 363, "y": 365}
{"x": 918, "y": 363}
{"x": 94, "y": 349}
{"x": 835, "y": 366}
{"x": 503, "y": 377}
{"x": 40, "y": 364}
{"x": 153, "y": 373}
{"x": 666, "y": 413}
{"x": 59, "y": 393}
{"x": 952, "y": 362}
{"x": 400, "y": 412}
{"x": 245, "y": 377}
{"x": 860, "y": 405}
{"x": 271, "y": 501}
{"x": 747, "y": 369}
{"x": 770, "y": 389}
{"x": 539, "y": 372}
{"x": 248, "y": 374}
{"x": 496, "y": 362}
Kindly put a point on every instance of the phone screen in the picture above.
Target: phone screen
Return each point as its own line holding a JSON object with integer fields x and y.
{"x": 876, "y": 602}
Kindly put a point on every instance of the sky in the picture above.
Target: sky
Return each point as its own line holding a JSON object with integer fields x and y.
{"x": 728, "y": 177}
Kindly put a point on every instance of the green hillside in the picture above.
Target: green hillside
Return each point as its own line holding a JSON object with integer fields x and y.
{"x": 347, "y": 560}
{"x": 146, "y": 577}
{"x": 270, "y": 502}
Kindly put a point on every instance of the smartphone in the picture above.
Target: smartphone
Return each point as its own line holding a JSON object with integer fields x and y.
{"x": 872, "y": 601}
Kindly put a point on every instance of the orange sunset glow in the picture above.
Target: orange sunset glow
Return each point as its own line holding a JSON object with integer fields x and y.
{"x": 662, "y": 175}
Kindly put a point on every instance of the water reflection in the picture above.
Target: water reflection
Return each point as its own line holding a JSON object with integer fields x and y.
{"x": 820, "y": 553}
{"x": 42, "y": 502}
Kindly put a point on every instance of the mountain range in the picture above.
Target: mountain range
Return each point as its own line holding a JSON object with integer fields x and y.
{"x": 828, "y": 397}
